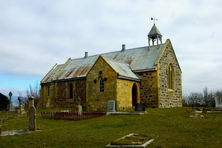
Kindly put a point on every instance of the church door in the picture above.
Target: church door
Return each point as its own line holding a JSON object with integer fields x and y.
{"x": 134, "y": 94}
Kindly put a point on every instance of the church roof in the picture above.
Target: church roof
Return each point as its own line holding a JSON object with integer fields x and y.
{"x": 51, "y": 73}
{"x": 122, "y": 69}
{"x": 142, "y": 58}
{"x": 154, "y": 31}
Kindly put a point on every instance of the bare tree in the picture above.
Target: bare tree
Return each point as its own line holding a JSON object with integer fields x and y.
{"x": 185, "y": 100}
{"x": 211, "y": 97}
{"x": 34, "y": 91}
{"x": 218, "y": 96}
{"x": 195, "y": 99}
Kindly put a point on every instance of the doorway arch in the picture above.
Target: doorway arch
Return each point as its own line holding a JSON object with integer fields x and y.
{"x": 134, "y": 94}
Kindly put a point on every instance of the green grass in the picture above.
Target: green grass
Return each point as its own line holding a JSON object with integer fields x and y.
{"x": 172, "y": 127}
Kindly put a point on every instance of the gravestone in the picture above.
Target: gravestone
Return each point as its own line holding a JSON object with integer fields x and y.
{"x": 79, "y": 107}
{"x": 10, "y": 107}
{"x": 30, "y": 103}
{"x": 111, "y": 106}
{"x": 79, "y": 110}
{"x": 21, "y": 109}
{"x": 32, "y": 118}
{"x": 140, "y": 107}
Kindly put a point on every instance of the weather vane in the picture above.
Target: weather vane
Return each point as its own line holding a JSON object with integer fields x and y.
{"x": 154, "y": 19}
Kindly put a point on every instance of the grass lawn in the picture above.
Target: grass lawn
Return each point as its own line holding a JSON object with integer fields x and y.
{"x": 172, "y": 127}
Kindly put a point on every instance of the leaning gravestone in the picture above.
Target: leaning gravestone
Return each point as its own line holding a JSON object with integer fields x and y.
{"x": 140, "y": 107}
{"x": 32, "y": 118}
{"x": 111, "y": 106}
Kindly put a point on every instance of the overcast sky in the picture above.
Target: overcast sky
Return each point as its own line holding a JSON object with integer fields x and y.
{"x": 36, "y": 34}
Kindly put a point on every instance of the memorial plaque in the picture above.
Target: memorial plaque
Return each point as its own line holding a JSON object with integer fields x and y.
{"x": 140, "y": 107}
{"x": 111, "y": 106}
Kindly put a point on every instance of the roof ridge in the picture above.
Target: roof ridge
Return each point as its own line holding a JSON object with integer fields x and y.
{"x": 110, "y": 52}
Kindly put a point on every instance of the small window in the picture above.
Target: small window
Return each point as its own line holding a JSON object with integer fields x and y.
{"x": 170, "y": 77}
{"x": 101, "y": 85}
{"x": 70, "y": 91}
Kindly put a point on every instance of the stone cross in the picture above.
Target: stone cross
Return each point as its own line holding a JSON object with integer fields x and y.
{"x": 10, "y": 107}
{"x": 32, "y": 118}
{"x": 10, "y": 95}
{"x": 19, "y": 101}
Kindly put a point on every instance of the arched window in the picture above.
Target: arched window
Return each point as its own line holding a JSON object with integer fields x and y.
{"x": 70, "y": 90}
{"x": 170, "y": 77}
{"x": 101, "y": 85}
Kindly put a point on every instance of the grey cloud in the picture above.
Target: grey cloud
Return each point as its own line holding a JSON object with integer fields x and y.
{"x": 35, "y": 35}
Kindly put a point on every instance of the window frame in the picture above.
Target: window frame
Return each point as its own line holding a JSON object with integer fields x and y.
{"x": 170, "y": 77}
{"x": 101, "y": 85}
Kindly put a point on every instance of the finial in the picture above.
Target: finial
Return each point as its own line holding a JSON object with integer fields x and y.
{"x": 154, "y": 19}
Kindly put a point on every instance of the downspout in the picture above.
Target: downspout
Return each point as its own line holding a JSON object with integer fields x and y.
{"x": 54, "y": 93}
{"x": 42, "y": 94}
{"x": 158, "y": 87}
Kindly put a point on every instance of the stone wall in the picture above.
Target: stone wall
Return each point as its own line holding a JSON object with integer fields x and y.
{"x": 99, "y": 100}
{"x": 62, "y": 98}
{"x": 58, "y": 94}
{"x": 45, "y": 93}
{"x": 149, "y": 89}
{"x": 169, "y": 97}
{"x": 124, "y": 94}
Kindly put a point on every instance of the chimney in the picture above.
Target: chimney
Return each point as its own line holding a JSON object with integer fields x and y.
{"x": 86, "y": 54}
{"x": 123, "y": 47}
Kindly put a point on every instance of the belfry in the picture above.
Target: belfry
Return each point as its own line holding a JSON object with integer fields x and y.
{"x": 154, "y": 35}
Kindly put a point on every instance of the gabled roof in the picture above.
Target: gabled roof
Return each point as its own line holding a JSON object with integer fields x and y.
{"x": 122, "y": 69}
{"x": 142, "y": 58}
{"x": 51, "y": 73}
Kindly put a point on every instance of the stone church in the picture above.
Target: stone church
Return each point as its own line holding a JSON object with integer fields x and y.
{"x": 149, "y": 74}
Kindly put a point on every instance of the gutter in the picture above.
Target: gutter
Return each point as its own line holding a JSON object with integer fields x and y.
{"x": 128, "y": 78}
{"x": 145, "y": 70}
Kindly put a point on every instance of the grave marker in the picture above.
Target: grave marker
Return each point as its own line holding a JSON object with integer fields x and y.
{"x": 111, "y": 106}
{"x": 10, "y": 106}
{"x": 32, "y": 118}
{"x": 21, "y": 109}
{"x": 140, "y": 107}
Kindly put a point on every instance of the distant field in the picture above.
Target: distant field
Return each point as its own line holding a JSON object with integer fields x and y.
{"x": 172, "y": 127}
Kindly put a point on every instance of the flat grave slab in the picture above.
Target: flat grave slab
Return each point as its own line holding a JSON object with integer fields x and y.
{"x": 13, "y": 132}
{"x": 134, "y": 144}
{"x": 126, "y": 113}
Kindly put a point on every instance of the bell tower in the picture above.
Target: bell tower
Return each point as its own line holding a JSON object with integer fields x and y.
{"x": 154, "y": 35}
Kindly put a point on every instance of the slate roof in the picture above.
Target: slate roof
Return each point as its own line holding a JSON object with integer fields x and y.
{"x": 141, "y": 58}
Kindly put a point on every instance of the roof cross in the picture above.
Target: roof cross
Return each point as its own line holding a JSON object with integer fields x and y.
{"x": 154, "y": 19}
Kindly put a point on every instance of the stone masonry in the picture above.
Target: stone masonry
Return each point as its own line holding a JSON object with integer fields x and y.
{"x": 169, "y": 98}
